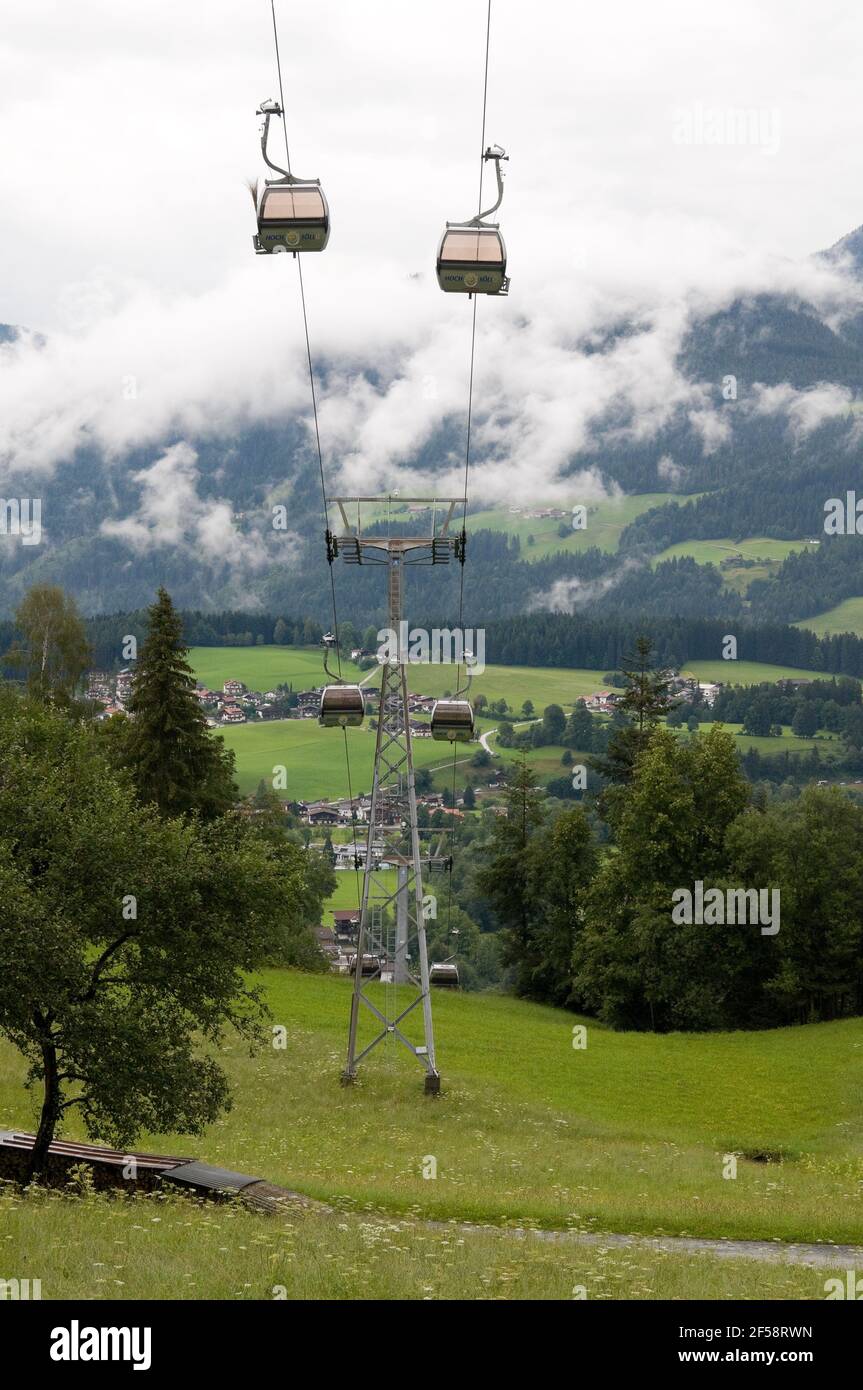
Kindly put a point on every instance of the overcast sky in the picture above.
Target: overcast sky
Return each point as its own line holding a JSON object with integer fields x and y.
{"x": 127, "y": 128}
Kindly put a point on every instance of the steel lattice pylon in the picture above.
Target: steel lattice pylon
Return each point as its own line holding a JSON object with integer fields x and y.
{"x": 392, "y": 922}
{"x": 391, "y": 937}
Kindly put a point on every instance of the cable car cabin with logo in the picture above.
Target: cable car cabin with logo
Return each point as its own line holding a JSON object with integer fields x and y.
{"x": 293, "y": 213}
{"x": 471, "y": 257}
{"x": 452, "y": 720}
{"x": 472, "y": 260}
{"x": 342, "y": 706}
{"x": 292, "y": 219}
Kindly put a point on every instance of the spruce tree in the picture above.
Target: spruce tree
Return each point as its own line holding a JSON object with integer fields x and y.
{"x": 646, "y": 700}
{"x": 174, "y": 760}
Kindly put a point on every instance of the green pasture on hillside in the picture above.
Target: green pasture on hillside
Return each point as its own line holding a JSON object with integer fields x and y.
{"x": 628, "y": 1134}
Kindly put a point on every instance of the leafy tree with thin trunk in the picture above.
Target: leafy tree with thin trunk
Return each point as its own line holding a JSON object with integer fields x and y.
{"x": 174, "y": 759}
{"x": 52, "y": 651}
{"x": 125, "y": 937}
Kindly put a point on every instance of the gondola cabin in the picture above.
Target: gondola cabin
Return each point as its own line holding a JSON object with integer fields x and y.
{"x": 292, "y": 217}
{"x": 342, "y": 706}
{"x": 472, "y": 260}
{"x": 444, "y": 975}
{"x": 452, "y": 720}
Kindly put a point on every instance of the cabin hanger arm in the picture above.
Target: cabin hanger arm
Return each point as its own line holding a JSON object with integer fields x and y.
{"x": 497, "y": 153}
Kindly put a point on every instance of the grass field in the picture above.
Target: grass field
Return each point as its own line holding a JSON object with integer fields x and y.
{"x": 89, "y": 1247}
{"x": 314, "y": 757}
{"x": 262, "y": 667}
{"x": 626, "y": 1135}
{"x": 713, "y": 552}
{"x": 748, "y": 672}
{"x": 349, "y": 889}
{"x": 845, "y": 617}
{"x": 605, "y": 521}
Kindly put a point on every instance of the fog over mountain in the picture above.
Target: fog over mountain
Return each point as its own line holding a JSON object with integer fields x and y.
{"x": 157, "y": 402}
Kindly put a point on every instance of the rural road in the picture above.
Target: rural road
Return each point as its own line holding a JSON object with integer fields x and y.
{"x": 522, "y": 724}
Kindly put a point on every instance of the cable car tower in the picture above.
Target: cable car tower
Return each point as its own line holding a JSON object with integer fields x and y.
{"x": 391, "y": 936}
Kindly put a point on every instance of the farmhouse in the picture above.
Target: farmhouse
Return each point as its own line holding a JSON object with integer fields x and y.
{"x": 232, "y": 714}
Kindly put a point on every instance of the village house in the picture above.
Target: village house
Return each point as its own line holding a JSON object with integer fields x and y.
{"x": 602, "y": 701}
{"x": 308, "y": 704}
{"x": 232, "y": 714}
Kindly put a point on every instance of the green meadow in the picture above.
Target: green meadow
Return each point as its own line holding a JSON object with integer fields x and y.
{"x": 314, "y": 758}
{"x": 763, "y": 555}
{"x": 748, "y": 672}
{"x": 91, "y": 1247}
{"x": 847, "y": 616}
{"x": 631, "y": 1133}
{"x": 260, "y": 668}
{"x": 605, "y": 521}
{"x": 547, "y": 761}
{"x": 713, "y": 552}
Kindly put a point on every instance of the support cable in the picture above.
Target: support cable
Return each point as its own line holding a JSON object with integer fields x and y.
{"x": 299, "y": 262}
{"x": 468, "y": 443}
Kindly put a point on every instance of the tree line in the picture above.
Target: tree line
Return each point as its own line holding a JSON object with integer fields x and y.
{"x": 540, "y": 638}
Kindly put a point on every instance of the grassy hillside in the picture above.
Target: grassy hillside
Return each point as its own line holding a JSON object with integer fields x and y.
{"x": 748, "y": 672}
{"x": 157, "y": 1248}
{"x": 626, "y": 1135}
{"x": 605, "y": 521}
{"x": 845, "y": 617}
{"x": 349, "y": 888}
{"x": 713, "y": 552}
{"x": 766, "y": 552}
{"x": 263, "y": 668}
{"x": 546, "y": 761}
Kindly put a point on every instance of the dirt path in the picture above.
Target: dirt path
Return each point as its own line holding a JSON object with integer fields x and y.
{"x": 774, "y": 1252}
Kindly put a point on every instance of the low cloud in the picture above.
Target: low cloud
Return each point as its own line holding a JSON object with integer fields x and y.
{"x": 806, "y": 411}
{"x": 171, "y": 514}
{"x": 570, "y": 595}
